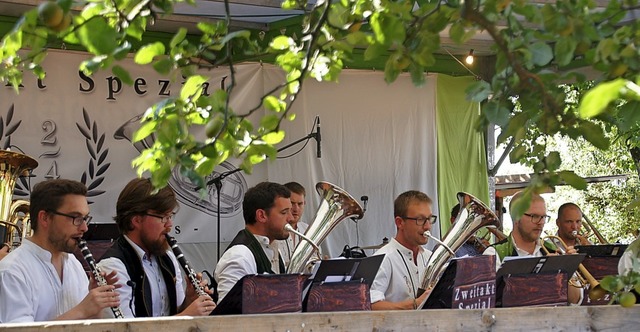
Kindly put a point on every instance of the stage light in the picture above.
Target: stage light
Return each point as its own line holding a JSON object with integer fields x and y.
{"x": 469, "y": 58}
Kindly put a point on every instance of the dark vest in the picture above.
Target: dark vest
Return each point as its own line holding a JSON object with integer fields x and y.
{"x": 142, "y": 296}
{"x": 263, "y": 264}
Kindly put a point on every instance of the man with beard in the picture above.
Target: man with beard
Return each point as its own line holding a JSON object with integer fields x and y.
{"x": 524, "y": 240}
{"x": 395, "y": 286}
{"x": 297, "y": 210}
{"x": 142, "y": 258}
{"x": 42, "y": 280}
{"x": 266, "y": 210}
{"x": 569, "y": 224}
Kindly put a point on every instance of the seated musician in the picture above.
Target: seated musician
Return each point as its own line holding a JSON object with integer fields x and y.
{"x": 469, "y": 247}
{"x": 297, "y": 210}
{"x": 396, "y": 284}
{"x": 569, "y": 224}
{"x": 42, "y": 280}
{"x": 142, "y": 259}
{"x": 524, "y": 240}
{"x": 266, "y": 209}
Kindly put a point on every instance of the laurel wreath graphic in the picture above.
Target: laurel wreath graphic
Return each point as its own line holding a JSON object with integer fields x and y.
{"x": 93, "y": 176}
{"x": 6, "y": 130}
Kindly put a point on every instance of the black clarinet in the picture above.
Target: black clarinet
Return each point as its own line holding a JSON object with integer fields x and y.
{"x": 185, "y": 265}
{"x": 96, "y": 272}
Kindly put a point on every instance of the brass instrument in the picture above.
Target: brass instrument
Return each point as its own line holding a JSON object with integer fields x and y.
{"x": 478, "y": 242}
{"x": 580, "y": 279}
{"x": 472, "y": 216}
{"x": 590, "y": 229}
{"x": 14, "y": 215}
{"x": 336, "y": 205}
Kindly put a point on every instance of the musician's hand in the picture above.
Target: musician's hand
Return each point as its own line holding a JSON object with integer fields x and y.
{"x": 202, "y": 306}
{"x": 4, "y": 250}
{"x": 571, "y": 250}
{"x": 99, "y": 298}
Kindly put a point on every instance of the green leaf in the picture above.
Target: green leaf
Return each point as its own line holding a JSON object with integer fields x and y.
{"x": 563, "y": 50}
{"x": 496, "y": 113}
{"x": 479, "y": 91}
{"x": 271, "y": 103}
{"x": 553, "y": 160}
{"x": 122, "y": 74}
{"x": 596, "y": 100}
{"x": 273, "y": 137}
{"x": 570, "y": 178}
{"x": 629, "y": 114}
{"x": 281, "y": 43}
{"x": 541, "y": 53}
{"x": 594, "y": 134}
{"x": 178, "y": 37}
{"x": 191, "y": 88}
{"x": 146, "y": 53}
{"x": 520, "y": 205}
{"x": 98, "y": 36}
{"x": 147, "y": 128}
{"x": 163, "y": 66}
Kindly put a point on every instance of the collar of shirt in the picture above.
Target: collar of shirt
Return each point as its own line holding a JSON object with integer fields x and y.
{"x": 40, "y": 252}
{"x": 521, "y": 252}
{"x": 139, "y": 251}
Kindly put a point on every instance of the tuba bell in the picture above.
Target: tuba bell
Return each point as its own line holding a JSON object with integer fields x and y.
{"x": 336, "y": 205}
{"x": 472, "y": 216}
{"x": 14, "y": 215}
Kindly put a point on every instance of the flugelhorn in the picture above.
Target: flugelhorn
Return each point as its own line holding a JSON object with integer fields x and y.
{"x": 473, "y": 215}
{"x": 13, "y": 227}
{"x": 583, "y": 277}
{"x": 336, "y": 205}
{"x": 97, "y": 274}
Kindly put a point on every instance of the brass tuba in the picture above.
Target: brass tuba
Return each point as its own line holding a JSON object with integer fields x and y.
{"x": 473, "y": 215}
{"x": 14, "y": 215}
{"x": 336, "y": 205}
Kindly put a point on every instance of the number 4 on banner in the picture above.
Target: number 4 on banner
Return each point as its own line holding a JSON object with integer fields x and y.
{"x": 52, "y": 173}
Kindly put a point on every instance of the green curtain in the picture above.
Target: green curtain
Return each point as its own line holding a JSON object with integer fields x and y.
{"x": 462, "y": 163}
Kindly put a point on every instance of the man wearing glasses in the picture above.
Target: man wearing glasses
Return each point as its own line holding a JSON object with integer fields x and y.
{"x": 524, "y": 240}
{"x": 395, "y": 286}
{"x": 143, "y": 260}
{"x": 42, "y": 280}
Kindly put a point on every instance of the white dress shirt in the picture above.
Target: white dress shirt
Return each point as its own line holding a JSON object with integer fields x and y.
{"x": 30, "y": 289}
{"x": 160, "y": 296}
{"x": 238, "y": 261}
{"x": 399, "y": 277}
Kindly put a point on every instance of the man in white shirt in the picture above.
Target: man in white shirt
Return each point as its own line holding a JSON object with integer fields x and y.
{"x": 141, "y": 256}
{"x": 396, "y": 284}
{"x": 297, "y": 210}
{"x": 266, "y": 209}
{"x": 42, "y": 280}
{"x": 524, "y": 240}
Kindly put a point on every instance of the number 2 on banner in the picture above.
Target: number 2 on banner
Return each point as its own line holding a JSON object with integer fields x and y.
{"x": 50, "y": 139}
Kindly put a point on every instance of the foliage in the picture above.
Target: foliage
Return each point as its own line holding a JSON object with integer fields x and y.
{"x": 535, "y": 46}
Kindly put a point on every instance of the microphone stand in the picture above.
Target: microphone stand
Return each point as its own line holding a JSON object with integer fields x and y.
{"x": 217, "y": 181}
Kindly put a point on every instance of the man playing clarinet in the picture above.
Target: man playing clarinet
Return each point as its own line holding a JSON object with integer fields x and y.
{"x": 143, "y": 260}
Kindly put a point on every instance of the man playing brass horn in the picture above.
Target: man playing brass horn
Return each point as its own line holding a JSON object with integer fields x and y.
{"x": 297, "y": 210}
{"x": 570, "y": 224}
{"x": 396, "y": 283}
{"x": 267, "y": 209}
{"x": 524, "y": 240}
{"x": 42, "y": 280}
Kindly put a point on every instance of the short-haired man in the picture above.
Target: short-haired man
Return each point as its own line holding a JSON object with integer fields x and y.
{"x": 569, "y": 223}
{"x": 141, "y": 256}
{"x": 297, "y": 210}
{"x": 395, "y": 286}
{"x": 524, "y": 240}
{"x": 42, "y": 280}
{"x": 266, "y": 209}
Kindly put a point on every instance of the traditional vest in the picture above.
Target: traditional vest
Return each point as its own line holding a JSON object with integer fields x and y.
{"x": 506, "y": 248}
{"x": 142, "y": 296}
{"x": 263, "y": 264}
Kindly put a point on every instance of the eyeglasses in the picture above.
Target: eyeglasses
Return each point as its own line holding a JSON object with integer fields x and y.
{"x": 538, "y": 219}
{"x": 163, "y": 219}
{"x": 77, "y": 220}
{"x": 420, "y": 221}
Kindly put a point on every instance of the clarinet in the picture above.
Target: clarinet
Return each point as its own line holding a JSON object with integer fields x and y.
{"x": 185, "y": 265}
{"x": 96, "y": 272}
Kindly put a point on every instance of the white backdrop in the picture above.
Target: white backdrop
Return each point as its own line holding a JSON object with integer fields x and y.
{"x": 377, "y": 140}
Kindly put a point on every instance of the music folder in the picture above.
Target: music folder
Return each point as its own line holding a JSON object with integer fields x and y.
{"x": 545, "y": 264}
{"x": 347, "y": 269}
{"x": 602, "y": 250}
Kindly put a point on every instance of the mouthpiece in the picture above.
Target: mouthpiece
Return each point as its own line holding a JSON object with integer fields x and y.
{"x": 290, "y": 229}
{"x": 574, "y": 233}
{"x": 428, "y": 234}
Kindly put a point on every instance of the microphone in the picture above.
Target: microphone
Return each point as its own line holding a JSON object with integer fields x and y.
{"x": 364, "y": 200}
{"x": 318, "y": 139}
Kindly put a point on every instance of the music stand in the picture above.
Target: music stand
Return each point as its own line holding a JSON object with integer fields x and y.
{"x": 602, "y": 250}
{"x": 336, "y": 270}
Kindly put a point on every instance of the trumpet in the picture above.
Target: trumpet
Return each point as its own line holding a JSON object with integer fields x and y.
{"x": 581, "y": 279}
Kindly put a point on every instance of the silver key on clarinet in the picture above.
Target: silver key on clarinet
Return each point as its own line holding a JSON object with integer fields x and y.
{"x": 95, "y": 270}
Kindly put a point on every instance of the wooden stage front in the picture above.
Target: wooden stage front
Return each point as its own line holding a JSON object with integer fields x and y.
{"x": 583, "y": 318}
